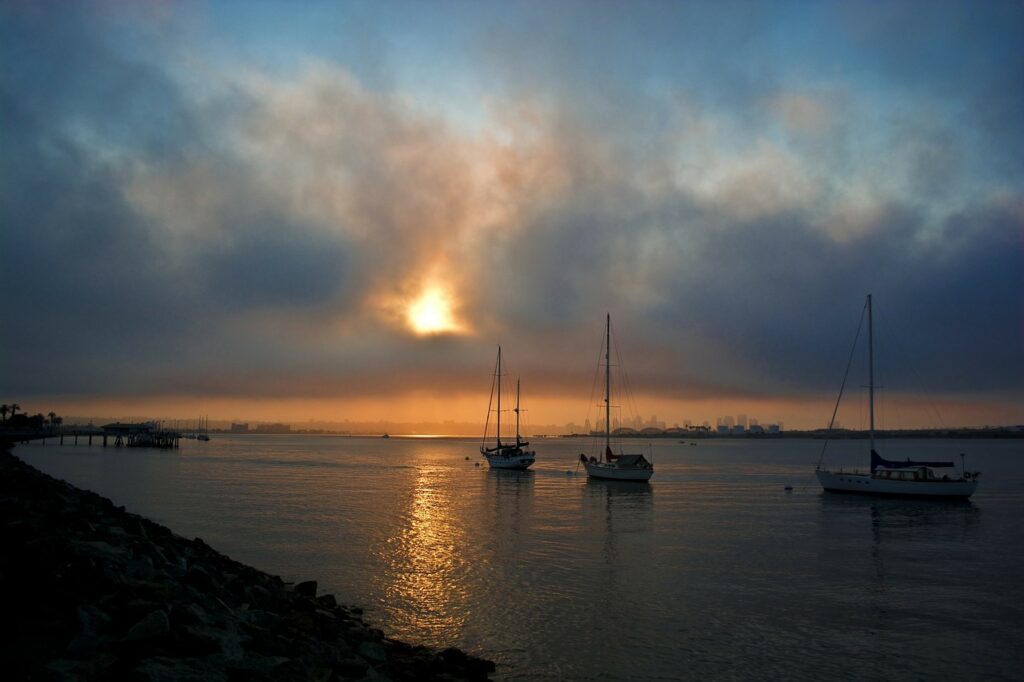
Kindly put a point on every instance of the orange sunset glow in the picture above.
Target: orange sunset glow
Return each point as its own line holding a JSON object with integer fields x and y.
{"x": 431, "y": 313}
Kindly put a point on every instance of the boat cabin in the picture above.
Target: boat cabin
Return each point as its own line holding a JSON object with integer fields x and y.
{"x": 632, "y": 462}
{"x": 909, "y": 474}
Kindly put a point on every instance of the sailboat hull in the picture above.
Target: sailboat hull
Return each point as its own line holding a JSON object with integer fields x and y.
{"x": 613, "y": 472}
{"x": 521, "y": 459}
{"x": 520, "y": 463}
{"x": 866, "y": 484}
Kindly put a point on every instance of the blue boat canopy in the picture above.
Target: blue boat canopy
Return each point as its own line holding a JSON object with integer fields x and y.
{"x": 877, "y": 462}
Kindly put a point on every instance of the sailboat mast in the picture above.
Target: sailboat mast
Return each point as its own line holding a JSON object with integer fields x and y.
{"x": 871, "y": 378}
{"x": 608, "y": 384}
{"x": 517, "y": 412}
{"x": 497, "y": 434}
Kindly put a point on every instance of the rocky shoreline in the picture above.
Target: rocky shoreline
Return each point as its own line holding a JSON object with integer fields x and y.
{"x": 95, "y": 592}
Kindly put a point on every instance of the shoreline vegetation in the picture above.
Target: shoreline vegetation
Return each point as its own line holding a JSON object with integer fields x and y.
{"x": 95, "y": 592}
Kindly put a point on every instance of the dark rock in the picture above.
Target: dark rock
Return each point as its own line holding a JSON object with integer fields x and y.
{"x": 195, "y": 642}
{"x": 198, "y": 578}
{"x": 327, "y": 601}
{"x": 141, "y": 567}
{"x": 154, "y": 624}
{"x": 306, "y": 589}
{"x": 373, "y": 651}
{"x": 351, "y": 669}
{"x": 102, "y": 550}
{"x": 167, "y": 669}
{"x": 259, "y": 596}
{"x": 267, "y": 643}
{"x": 83, "y": 646}
{"x": 185, "y": 615}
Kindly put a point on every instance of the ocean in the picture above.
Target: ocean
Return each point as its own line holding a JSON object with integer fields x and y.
{"x": 712, "y": 571}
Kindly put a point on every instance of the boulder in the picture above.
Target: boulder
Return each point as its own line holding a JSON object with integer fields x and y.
{"x": 306, "y": 589}
{"x": 153, "y": 625}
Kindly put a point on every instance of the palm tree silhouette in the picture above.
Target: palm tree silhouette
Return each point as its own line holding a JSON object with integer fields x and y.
{"x": 52, "y": 416}
{"x": 4, "y": 409}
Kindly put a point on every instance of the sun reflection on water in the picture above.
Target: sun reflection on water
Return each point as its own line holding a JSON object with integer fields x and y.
{"x": 425, "y": 566}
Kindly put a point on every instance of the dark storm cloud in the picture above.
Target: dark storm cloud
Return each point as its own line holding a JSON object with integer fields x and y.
{"x": 100, "y": 299}
{"x": 785, "y": 300}
{"x": 771, "y": 306}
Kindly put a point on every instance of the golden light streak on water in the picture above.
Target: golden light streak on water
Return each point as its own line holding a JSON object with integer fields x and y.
{"x": 424, "y": 563}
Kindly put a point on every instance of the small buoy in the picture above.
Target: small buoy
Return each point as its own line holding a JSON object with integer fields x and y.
{"x": 568, "y": 472}
{"x": 477, "y": 464}
{"x": 788, "y": 488}
{"x": 467, "y": 458}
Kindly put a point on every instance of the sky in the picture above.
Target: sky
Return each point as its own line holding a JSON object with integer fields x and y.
{"x": 280, "y": 211}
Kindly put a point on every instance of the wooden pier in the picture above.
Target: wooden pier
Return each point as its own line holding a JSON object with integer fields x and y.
{"x": 144, "y": 435}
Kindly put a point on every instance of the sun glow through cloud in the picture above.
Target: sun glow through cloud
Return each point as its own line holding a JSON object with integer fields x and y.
{"x": 431, "y": 313}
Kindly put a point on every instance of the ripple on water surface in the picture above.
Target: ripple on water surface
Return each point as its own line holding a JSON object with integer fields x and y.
{"x": 711, "y": 570}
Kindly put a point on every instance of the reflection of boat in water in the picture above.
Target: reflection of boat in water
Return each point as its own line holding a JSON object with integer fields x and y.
{"x": 893, "y": 478}
{"x": 902, "y": 512}
{"x": 505, "y": 455}
{"x": 922, "y": 518}
{"x": 608, "y": 465}
{"x": 626, "y": 491}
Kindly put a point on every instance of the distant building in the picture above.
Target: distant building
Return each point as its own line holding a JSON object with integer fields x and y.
{"x": 239, "y": 427}
{"x": 273, "y": 428}
{"x": 723, "y": 429}
{"x": 774, "y": 428}
{"x": 756, "y": 429}
{"x": 738, "y": 430}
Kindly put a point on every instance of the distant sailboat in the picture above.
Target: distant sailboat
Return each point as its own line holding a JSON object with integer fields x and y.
{"x": 202, "y": 435}
{"x": 891, "y": 478}
{"x": 608, "y": 465}
{"x": 505, "y": 455}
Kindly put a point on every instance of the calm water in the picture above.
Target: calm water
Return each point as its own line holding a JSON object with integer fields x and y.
{"x": 710, "y": 571}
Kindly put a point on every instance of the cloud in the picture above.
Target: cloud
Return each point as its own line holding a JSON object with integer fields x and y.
{"x": 255, "y": 232}
{"x": 803, "y": 114}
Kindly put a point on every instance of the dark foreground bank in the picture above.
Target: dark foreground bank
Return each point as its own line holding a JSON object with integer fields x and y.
{"x": 93, "y": 592}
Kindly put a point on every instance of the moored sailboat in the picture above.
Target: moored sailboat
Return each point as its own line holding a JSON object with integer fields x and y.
{"x": 505, "y": 455}
{"x": 894, "y": 478}
{"x": 608, "y": 465}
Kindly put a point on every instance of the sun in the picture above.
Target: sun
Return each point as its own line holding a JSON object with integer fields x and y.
{"x": 431, "y": 313}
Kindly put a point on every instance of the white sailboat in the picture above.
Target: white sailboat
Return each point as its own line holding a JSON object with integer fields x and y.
{"x": 608, "y": 465}
{"x": 891, "y": 478}
{"x": 505, "y": 455}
